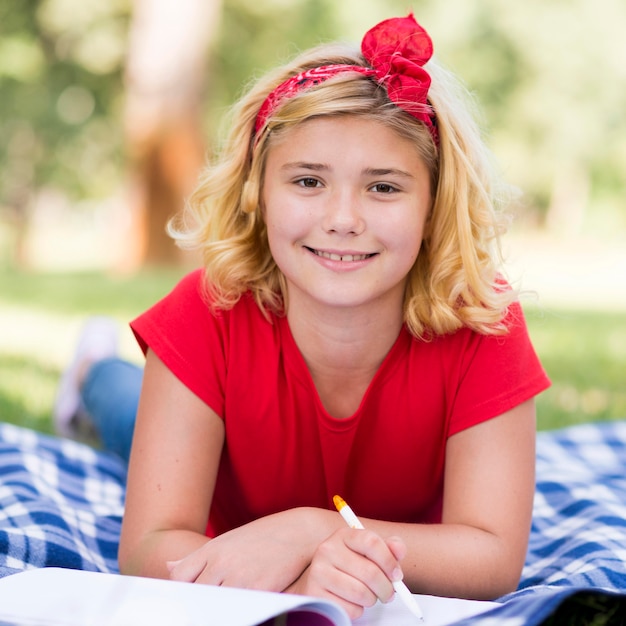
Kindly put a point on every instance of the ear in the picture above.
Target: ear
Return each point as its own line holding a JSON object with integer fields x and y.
{"x": 250, "y": 199}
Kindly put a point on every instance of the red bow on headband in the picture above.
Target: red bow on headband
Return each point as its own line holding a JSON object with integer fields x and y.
{"x": 396, "y": 50}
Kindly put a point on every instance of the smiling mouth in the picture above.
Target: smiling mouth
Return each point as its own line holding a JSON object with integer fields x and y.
{"x": 347, "y": 258}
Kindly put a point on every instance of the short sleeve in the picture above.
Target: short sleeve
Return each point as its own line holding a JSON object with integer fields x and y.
{"x": 189, "y": 338}
{"x": 496, "y": 373}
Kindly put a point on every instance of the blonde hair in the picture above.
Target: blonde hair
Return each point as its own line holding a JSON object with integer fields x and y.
{"x": 454, "y": 282}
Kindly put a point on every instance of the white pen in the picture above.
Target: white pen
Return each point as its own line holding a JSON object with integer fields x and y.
{"x": 401, "y": 589}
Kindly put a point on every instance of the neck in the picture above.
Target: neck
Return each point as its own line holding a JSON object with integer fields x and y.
{"x": 345, "y": 341}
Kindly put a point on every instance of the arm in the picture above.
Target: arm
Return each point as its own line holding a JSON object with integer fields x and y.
{"x": 477, "y": 552}
{"x": 176, "y": 449}
{"x": 479, "y": 549}
{"x": 177, "y": 445}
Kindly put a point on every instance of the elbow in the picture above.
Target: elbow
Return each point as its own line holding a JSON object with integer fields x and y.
{"x": 505, "y": 579}
{"x": 125, "y": 562}
{"x": 505, "y": 570}
{"x": 129, "y": 559}
{"x": 494, "y": 576}
{"x": 504, "y": 586}
{"x": 493, "y": 589}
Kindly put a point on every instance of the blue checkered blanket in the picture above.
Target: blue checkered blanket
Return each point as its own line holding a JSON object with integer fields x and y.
{"x": 61, "y": 505}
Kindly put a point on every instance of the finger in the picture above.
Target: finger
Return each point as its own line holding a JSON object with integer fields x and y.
{"x": 171, "y": 565}
{"x": 187, "y": 570}
{"x": 363, "y": 579}
{"x": 397, "y": 547}
{"x": 346, "y": 581}
{"x": 375, "y": 549}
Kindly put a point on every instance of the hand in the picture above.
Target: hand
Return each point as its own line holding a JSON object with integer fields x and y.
{"x": 355, "y": 568}
{"x": 269, "y": 553}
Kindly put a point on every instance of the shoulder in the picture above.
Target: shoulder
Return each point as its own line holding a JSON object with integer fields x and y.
{"x": 193, "y": 295}
{"x": 188, "y": 311}
{"x": 466, "y": 348}
{"x": 194, "y": 341}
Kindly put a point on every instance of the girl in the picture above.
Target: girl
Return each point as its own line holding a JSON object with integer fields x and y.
{"x": 349, "y": 333}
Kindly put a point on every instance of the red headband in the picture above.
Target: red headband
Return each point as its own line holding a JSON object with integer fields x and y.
{"x": 396, "y": 49}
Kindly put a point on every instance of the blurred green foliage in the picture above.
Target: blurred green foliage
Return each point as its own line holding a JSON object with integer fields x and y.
{"x": 549, "y": 76}
{"x": 60, "y": 80}
{"x": 86, "y": 293}
{"x": 584, "y": 353}
{"x": 28, "y": 380}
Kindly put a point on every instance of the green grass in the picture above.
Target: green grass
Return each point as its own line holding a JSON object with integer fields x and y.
{"x": 584, "y": 353}
{"x": 86, "y": 293}
{"x": 43, "y": 306}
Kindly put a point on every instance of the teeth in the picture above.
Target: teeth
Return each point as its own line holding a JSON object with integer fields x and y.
{"x": 345, "y": 257}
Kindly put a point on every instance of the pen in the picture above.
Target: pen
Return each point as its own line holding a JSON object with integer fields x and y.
{"x": 401, "y": 589}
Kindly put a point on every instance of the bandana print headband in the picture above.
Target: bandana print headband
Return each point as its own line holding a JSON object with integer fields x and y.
{"x": 396, "y": 49}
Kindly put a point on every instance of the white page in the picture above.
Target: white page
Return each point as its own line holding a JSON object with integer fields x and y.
{"x": 64, "y": 597}
{"x": 437, "y": 612}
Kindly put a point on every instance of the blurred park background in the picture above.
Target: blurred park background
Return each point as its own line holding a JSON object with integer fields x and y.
{"x": 108, "y": 108}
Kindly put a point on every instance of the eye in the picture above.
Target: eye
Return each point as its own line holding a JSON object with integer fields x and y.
{"x": 384, "y": 188}
{"x": 308, "y": 182}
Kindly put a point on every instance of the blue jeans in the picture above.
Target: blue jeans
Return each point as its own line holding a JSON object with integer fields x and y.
{"x": 110, "y": 395}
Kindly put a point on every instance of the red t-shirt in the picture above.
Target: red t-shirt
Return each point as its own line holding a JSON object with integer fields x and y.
{"x": 284, "y": 450}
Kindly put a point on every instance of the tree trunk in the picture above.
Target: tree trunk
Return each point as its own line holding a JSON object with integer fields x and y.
{"x": 165, "y": 82}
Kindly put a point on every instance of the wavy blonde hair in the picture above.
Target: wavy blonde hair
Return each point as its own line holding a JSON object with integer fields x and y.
{"x": 454, "y": 281}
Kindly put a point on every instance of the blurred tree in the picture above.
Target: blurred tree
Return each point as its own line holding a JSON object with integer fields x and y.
{"x": 60, "y": 72}
{"x": 98, "y": 94}
{"x": 166, "y": 75}
{"x": 186, "y": 63}
{"x": 256, "y": 37}
{"x": 550, "y": 77}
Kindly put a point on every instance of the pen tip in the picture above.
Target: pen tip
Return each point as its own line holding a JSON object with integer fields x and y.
{"x": 339, "y": 502}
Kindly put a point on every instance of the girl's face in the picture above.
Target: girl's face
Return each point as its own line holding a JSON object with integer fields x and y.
{"x": 345, "y": 202}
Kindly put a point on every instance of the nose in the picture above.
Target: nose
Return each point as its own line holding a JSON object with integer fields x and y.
{"x": 343, "y": 213}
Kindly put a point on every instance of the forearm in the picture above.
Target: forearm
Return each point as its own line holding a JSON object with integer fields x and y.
{"x": 149, "y": 557}
{"x": 455, "y": 560}
{"x": 268, "y": 553}
{"x": 442, "y": 559}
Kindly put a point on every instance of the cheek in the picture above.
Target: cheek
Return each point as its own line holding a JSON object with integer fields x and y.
{"x": 279, "y": 237}
{"x": 272, "y": 236}
{"x": 410, "y": 249}
{"x": 287, "y": 223}
{"x": 412, "y": 252}
{"x": 277, "y": 229}
{"x": 406, "y": 236}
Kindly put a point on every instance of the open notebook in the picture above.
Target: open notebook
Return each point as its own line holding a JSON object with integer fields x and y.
{"x": 65, "y": 597}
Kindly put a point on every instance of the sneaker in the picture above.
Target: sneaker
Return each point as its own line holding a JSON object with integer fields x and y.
{"x": 98, "y": 340}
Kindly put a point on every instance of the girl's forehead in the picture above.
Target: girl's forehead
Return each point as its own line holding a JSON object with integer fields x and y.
{"x": 352, "y": 147}
{"x": 333, "y": 133}
{"x": 354, "y": 127}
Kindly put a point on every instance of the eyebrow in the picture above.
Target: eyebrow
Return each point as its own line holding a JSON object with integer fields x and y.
{"x": 386, "y": 171}
{"x": 369, "y": 171}
{"x": 303, "y": 165}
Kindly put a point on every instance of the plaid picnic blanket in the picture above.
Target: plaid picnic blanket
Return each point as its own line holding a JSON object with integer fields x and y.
{"x": 577, "y": 547}
{"x": 61, "y": 504}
